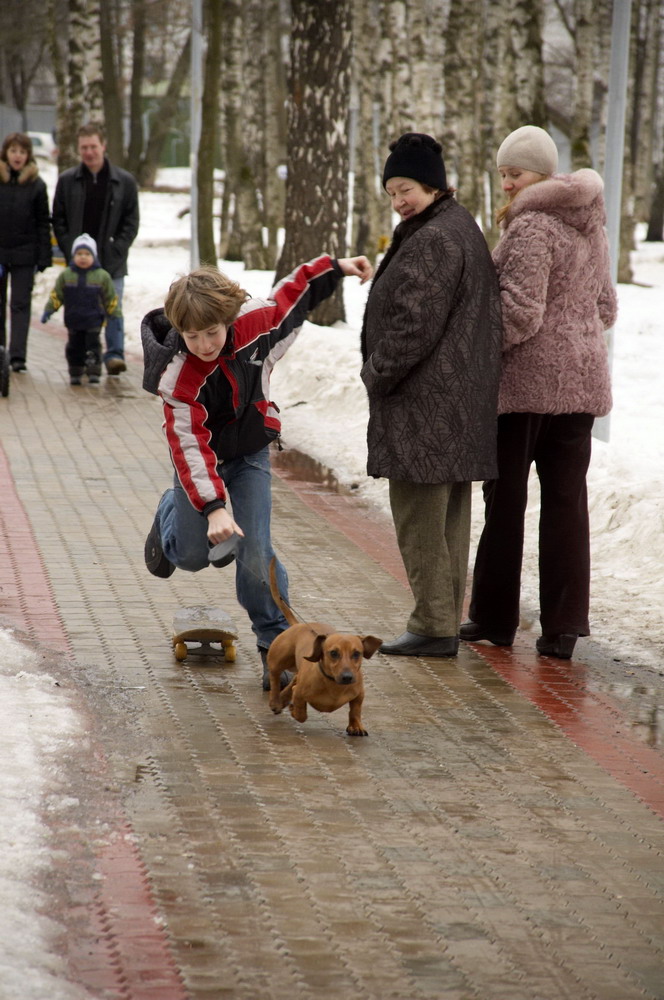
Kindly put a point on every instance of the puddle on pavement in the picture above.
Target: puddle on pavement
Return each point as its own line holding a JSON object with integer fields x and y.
{"x": 296, "y": 465}
{"x": 643, "y": 706}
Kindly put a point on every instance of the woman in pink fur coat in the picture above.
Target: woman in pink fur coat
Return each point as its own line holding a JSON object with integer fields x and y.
{"x": 557, "y": 301}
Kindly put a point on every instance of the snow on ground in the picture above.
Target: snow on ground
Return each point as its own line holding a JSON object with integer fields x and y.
{"x": 36, "y": 727}
{"x": 324, "y": 413}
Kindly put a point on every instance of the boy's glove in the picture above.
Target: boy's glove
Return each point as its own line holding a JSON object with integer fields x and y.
{"x": 45, "y": 317}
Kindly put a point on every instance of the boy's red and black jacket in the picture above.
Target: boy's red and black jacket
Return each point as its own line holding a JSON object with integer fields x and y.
{"x": 218, "y": 410}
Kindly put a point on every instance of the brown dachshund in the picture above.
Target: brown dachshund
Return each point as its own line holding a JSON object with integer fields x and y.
{"x": 327, "y": 667}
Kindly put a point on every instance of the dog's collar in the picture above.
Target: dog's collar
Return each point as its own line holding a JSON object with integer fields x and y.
{"x": 320, "y": 667}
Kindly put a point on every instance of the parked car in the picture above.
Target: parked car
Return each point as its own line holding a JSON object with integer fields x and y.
{"x": 43, "y": 146}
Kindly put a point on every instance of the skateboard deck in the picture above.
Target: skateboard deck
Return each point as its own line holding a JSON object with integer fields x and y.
{"x": 210, "y": 631}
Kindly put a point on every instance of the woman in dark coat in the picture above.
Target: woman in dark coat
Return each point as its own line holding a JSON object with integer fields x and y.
{"x": 25, "y": 239}
{"x": 431, "y": 351}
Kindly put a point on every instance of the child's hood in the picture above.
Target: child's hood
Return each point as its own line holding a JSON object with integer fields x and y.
{"x": 161, "y": 342}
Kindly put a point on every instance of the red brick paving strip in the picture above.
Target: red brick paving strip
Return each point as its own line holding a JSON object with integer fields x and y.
{"x": 125, "y": 954}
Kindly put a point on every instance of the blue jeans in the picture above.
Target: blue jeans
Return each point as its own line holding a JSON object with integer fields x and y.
{"x": 183, "y": 533}
{"x": 115, "y": 327}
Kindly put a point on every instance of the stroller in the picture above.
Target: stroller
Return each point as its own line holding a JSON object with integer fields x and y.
{"x": 4, "y": 360}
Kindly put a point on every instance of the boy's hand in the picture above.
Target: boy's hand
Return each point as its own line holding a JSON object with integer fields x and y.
{"x": 359, "y": 266}
{"x": 45, "y": 317}
{"x": 221, "y": 526}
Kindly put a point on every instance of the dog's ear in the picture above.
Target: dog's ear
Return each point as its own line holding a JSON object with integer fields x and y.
{"x": 317, "y": 652}
{"x": 370, "y": 644}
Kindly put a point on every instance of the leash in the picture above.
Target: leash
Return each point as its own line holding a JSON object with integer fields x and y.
{"x": 262, "y": 580}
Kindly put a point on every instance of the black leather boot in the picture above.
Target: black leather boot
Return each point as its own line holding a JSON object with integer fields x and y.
{"x": 473, "y": 632}
{"x": 410, "y": 644}
{"x": 560, "y": 646}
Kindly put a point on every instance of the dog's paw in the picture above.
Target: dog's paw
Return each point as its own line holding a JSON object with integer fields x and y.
{"x": 354, "y": 731}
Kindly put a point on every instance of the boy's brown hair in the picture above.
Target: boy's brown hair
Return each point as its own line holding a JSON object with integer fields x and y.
{"x": 203, "y": 298}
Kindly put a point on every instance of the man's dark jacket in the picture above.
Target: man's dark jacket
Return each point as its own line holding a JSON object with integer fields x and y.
{"x": 119, "y": 224}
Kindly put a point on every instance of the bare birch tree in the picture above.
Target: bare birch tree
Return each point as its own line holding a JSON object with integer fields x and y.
{"x": 111, "y": 80}
{"x": 209, "y": 140}
{"x": 317, "y": 184}
{"x": 73, "y": 110}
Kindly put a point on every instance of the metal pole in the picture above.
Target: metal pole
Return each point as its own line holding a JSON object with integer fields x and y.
{"x": 195, "y": 121}
{"x": 615, "y": 143}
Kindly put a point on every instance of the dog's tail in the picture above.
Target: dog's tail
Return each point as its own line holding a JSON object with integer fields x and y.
{"x": 285, "y": 609}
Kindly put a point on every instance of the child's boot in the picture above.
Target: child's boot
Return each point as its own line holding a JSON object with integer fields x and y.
{"x": 76, "y": 373}
{"x": 92, "y": 366}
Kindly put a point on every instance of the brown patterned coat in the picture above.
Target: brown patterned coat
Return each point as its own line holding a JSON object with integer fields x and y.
{"x": 431, "y": 349}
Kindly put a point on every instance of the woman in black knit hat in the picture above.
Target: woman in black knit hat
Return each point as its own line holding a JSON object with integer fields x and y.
{"x": 431, "y": 351}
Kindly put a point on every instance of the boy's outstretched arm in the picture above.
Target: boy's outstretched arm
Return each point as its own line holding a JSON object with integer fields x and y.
{"x": 359, "y": 266}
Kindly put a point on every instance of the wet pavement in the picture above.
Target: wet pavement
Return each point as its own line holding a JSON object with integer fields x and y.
{"x": 498, "y": 836}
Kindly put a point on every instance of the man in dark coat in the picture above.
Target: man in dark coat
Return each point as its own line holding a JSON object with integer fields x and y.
{"x": 101, "y": 199}
{"x": 431, "y": 349}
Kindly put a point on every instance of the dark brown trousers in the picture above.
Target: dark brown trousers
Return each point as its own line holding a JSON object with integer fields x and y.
{"x": 560, "y": 447}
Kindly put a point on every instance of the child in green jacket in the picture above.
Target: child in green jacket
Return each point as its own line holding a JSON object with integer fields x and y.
{"x": 89, "y": 296}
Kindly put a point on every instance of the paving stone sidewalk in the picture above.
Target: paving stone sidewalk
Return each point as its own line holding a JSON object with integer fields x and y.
{"x": 498, "y": 836}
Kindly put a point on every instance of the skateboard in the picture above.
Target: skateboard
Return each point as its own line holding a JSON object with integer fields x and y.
{"x": 206, "y": 628}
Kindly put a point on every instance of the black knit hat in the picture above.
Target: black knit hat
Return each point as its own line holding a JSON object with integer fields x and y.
{"x": 419, "y": 157}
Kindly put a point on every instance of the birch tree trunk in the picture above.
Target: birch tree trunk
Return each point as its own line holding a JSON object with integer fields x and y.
{"x": 372, "y": 216}
{"x": 111, "y": 81}
{"x": 232, "y": 95}
{"x": 274, "y": 187}
{"x": 250, "y": 139}
{"x": 65, "y": 158}
{"x": 317, "y": 184}
{"x": 584, "y": 78}
{"x": 74, "y": 107}
{"x": 161, "y": 120}
{"x": 527, "y": 16}
{"x": 209, "y": 140}
{"x": 464, "y": 83}
{"x": 94, "y": 91}
{"x": 136, "y": 137}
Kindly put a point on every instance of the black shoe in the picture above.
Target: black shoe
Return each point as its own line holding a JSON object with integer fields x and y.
{"x": 410, "y": 644}
{"x": 472, "y": 632}
{"x": 74, "y": 379}
{"x": 155, "y": 560}
{"x": 286, "y": 676}
{"x": 93, "y": 379}
{"x": 17, "y": 365}
{"x": 561, "y": 646}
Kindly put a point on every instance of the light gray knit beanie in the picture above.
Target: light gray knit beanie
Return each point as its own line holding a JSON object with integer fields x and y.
{"x": 530, "y": 148}
{"x": 84, "y": 242}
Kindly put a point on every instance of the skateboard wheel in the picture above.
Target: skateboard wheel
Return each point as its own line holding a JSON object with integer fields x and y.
{"x": 229, "y": 652}
{"x": 180, "y": 651}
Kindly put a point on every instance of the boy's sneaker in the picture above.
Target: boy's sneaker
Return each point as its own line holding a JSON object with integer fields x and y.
{"x": 74, "y": 379}
{"x": 93, "y": 379}
{"x": 155, "y": 560}
{"x": 286, "y": 675}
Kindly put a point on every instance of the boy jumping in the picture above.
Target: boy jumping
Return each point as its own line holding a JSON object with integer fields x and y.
{"x": 209, "y": 354}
